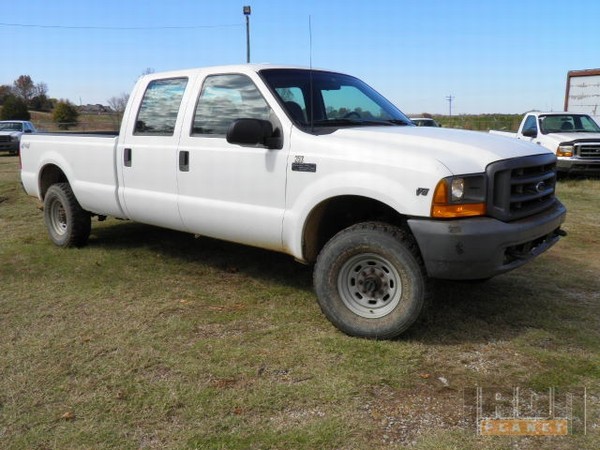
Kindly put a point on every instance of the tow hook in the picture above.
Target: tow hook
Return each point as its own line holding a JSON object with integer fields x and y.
{"x": 560, "y": 232}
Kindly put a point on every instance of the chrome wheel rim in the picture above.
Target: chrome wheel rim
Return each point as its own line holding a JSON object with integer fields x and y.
{"x": 58, "y": 218}
{"x": 369, "y": 285}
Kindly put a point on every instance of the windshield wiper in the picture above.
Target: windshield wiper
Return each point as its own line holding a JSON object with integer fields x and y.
{"x": 399, "y": 122}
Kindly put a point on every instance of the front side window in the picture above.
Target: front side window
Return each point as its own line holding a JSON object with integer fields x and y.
{"x": 160, "y": 106}
{"x": 530, "y": 124}
{"x": 224, "y": 99}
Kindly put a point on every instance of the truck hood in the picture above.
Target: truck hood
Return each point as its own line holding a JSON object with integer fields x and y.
{"x": 570, "y": 137}
{"x": 458, "y": 150}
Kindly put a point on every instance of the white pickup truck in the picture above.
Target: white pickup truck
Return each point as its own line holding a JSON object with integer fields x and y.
{"x": 573, "y": 137}
{"x": 313, "y": 164}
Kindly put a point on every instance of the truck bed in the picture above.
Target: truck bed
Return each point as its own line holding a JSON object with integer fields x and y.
{"x": 88, "y": 161}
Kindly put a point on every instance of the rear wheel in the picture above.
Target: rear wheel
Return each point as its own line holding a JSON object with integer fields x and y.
{"x": 370, "y": 281}
{"x": 68, "y": 224}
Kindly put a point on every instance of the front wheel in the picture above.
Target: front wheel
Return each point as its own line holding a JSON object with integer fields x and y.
{"x": 370, "y": 281}
{"x": 68, "y": 224}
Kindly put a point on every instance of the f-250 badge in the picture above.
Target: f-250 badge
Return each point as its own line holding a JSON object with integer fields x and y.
{"x": 300, "y": 166}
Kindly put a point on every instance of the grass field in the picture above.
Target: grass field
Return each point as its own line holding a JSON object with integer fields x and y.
{"x": 152, "y": 339}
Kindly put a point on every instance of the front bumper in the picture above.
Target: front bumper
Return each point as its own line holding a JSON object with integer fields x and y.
{"x": 577, "y": 166}
{"x": 482, "y": 247}
{"x": 10, "y": 146}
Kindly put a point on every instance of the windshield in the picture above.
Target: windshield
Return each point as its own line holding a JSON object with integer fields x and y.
{"x": 11, "y": 126}
{"x": 327, "y": 99}
{"x": 568, "y": 123}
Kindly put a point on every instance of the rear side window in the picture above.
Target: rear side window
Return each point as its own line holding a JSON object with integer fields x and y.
{"x": 159, "y": 107}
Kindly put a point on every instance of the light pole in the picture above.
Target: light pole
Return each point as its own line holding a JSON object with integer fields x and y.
{"x": 247, "y": 12}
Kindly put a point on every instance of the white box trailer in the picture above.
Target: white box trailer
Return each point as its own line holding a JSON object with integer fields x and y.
{"x": 583, "y": 92}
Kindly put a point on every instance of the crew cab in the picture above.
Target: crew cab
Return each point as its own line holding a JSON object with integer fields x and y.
{"x": 573, "y": 137}
{"x": 314, "y": 164}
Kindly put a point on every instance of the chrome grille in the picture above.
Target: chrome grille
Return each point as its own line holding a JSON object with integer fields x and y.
{"x": 588, "y": 151}
{"x": 5, "y": 138}
{"x": 521, "y": 187}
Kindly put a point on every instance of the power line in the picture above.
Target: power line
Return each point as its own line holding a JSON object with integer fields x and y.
{"x": 87, "y": 27}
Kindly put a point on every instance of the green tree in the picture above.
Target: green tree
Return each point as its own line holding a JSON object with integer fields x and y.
{"x": 14, "y": 109}
{"x": 65, "y": 115}
{"x": 40, "y": 103}
{"x": 40, "y": 100}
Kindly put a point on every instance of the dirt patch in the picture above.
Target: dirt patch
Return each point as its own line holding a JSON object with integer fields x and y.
{"x": 403, "y": 416}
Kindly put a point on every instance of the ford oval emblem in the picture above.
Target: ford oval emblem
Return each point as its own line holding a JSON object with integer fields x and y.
{"x": 540, "y": 187}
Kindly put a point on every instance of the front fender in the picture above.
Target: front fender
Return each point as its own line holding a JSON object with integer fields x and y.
{"x": 405, "y": 195}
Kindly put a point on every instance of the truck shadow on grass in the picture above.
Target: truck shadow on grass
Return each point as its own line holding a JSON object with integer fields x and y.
{"x": 457, "y": 312}
{"x": 220, "y": 255}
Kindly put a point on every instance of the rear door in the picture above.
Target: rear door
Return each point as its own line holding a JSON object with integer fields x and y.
{"x": 147, "y": 155}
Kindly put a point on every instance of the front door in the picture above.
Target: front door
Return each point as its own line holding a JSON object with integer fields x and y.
{"x": 230, "y": 191}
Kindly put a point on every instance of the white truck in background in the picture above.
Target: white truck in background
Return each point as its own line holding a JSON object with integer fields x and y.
{"x": 314, "y": 164}
{"x": 573, "y": 137}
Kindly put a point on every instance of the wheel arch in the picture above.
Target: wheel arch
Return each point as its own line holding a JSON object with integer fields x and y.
{"x": 331, "y": 216}
{"x": 50, "y": 174}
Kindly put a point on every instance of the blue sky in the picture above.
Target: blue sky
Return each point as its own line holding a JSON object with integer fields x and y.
{"x": 492, "y": 57}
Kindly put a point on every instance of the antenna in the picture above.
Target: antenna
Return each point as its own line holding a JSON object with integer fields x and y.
{"x": 312, "y": 119}
{"x": 310, "y": 40}
{"x": 247, "y": 11}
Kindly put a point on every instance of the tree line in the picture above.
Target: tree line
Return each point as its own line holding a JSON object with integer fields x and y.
{"x": 23, "y": 95}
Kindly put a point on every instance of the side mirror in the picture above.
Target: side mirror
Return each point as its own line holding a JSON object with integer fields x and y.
{"x": 253, "y": 132}
{"x": 529, "y": 132}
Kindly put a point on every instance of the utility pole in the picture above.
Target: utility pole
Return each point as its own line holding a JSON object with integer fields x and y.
{"x": 247, "y": 11}
{"x": 450, "y": 98}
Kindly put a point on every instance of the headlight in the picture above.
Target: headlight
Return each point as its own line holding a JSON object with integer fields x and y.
{"x": 15, "y": 138}
{"x": 565, "y": 150}
{"x": 460, "y": 196}
{"x": 457, "y": 189}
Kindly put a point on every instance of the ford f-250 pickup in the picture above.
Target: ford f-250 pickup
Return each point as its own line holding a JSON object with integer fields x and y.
{"x": 314, "y": 164}
{"x": 573, "y": 137}
{"x": 11, "y": 132}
